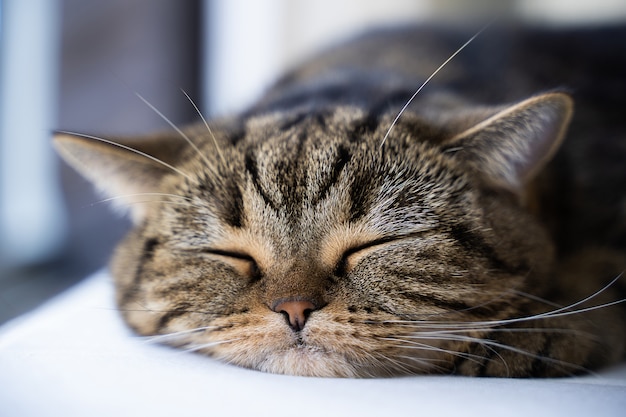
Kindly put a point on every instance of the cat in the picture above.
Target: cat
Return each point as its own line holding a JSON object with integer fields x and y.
{"x": 482, "y": 232}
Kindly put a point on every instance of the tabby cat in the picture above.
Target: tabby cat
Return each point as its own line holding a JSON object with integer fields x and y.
{"x": 314, "y": 235}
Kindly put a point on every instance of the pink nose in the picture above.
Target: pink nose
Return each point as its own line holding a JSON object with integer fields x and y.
{"x": 296, "y": 311}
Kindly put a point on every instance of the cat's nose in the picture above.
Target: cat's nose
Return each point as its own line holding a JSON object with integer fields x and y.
{"x": 296, "y": 311}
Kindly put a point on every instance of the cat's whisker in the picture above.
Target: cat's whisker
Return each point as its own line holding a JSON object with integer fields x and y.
{"x": 206, "y": 124}
{"x": 401, "y": 366}
{"x": 176, "y": 335}
{"x": 144, "y": 309}
{"x": 398, "y": 365}
{"x": 128, "y": 196}
{"x": 534, "y": 298}
{"x": 187, "y": 203}
{"x": 412, "y": 344}
{"x": 177, "y": 129}
{"x": 492, "y": 344}
{"x": 495, "y": 352}
{"x": 597, "y": 293}
{"x": 143, "y": 195}
{"x": 426, "y": 362}
{"x": 176, "y": 203}
{"x": 488, "y": 324}
{"x": 458, "y": 335}
{"x": 478, "y": 359}
{"x": 421, "y": 87}
{"x": 378, "y": 359}
{"x": 561, "y": 312}
{"x": 582, "y": 310}
{"x": 128, "y": 148}
{"x": 430, "y": 363}
{"x": 197, "y": 347}
{"x": 437, "y": 333}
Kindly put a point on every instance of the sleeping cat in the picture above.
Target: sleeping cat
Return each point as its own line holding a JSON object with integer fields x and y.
{"x": 481, "y": 233}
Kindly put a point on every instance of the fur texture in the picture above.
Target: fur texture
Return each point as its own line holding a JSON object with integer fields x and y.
{"x": 289, "y": 240}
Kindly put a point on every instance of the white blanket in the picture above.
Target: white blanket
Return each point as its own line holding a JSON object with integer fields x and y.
{"x": 74, "y": 357}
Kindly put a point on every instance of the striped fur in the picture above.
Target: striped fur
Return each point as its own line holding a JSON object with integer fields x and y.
{"x": 432, "y": 253}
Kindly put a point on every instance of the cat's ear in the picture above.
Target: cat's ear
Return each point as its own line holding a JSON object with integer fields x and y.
{"x": 511, "y": 146}
{"x": 129, "y": 171}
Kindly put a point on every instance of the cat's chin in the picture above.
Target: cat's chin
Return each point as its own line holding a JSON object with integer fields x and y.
{"x": 309, "y": 361}
{"x": 304, "y": 361}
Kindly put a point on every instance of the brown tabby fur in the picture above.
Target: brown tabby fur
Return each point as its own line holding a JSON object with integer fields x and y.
{"x": 445, "y": 250}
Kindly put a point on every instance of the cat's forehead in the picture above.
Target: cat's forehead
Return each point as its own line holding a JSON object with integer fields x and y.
{"x": 304, "y": 173}
{"x": 317, "y": 131}
{"x": 332, "y": 116}
{"x": 329, "y": 166}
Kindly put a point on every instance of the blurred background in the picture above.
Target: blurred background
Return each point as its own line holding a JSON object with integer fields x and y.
{"x": 76, "y": 64}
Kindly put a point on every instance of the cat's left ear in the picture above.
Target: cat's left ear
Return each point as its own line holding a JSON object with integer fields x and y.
{"x": 128, "y": 170}
{"x": 511, "y": 146}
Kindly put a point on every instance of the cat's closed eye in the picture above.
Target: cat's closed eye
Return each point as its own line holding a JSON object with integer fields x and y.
{"x": 243, "y": 263}
{"x": 356, "y": 253}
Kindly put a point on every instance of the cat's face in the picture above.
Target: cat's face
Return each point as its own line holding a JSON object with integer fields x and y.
{"x": 301, "y": 246}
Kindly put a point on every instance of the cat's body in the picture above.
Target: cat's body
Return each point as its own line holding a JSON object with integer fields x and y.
{"x": 296, "y": 242}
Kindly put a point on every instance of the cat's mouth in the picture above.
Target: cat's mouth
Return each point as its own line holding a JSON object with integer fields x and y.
{"x": 299, "y": 343}
{"x": 308, "y": 352}
{"x": 305, "y": 359}
{"x": 302, "y": 343}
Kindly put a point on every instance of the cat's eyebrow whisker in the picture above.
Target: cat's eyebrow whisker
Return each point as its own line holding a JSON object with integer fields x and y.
{"x": 128, "y": 148}
{"x": 421, "y": 87}
{"x": 177, "y": 129}
{"x": 174, "y": 203}
{"x": 125, "y": 196}
{"x": 188, "y": 202}
{"x": 217, "y": 147}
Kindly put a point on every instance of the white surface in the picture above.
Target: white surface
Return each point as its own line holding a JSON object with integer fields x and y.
{"x": 74, "y": 357}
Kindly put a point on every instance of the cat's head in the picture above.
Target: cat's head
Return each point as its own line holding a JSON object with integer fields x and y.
{"x": 295, "y": 243}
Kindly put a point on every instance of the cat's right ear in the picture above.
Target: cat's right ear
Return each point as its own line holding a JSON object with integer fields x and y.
{"x": 515, "y": 143}
{"x": 127, "y": 171}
